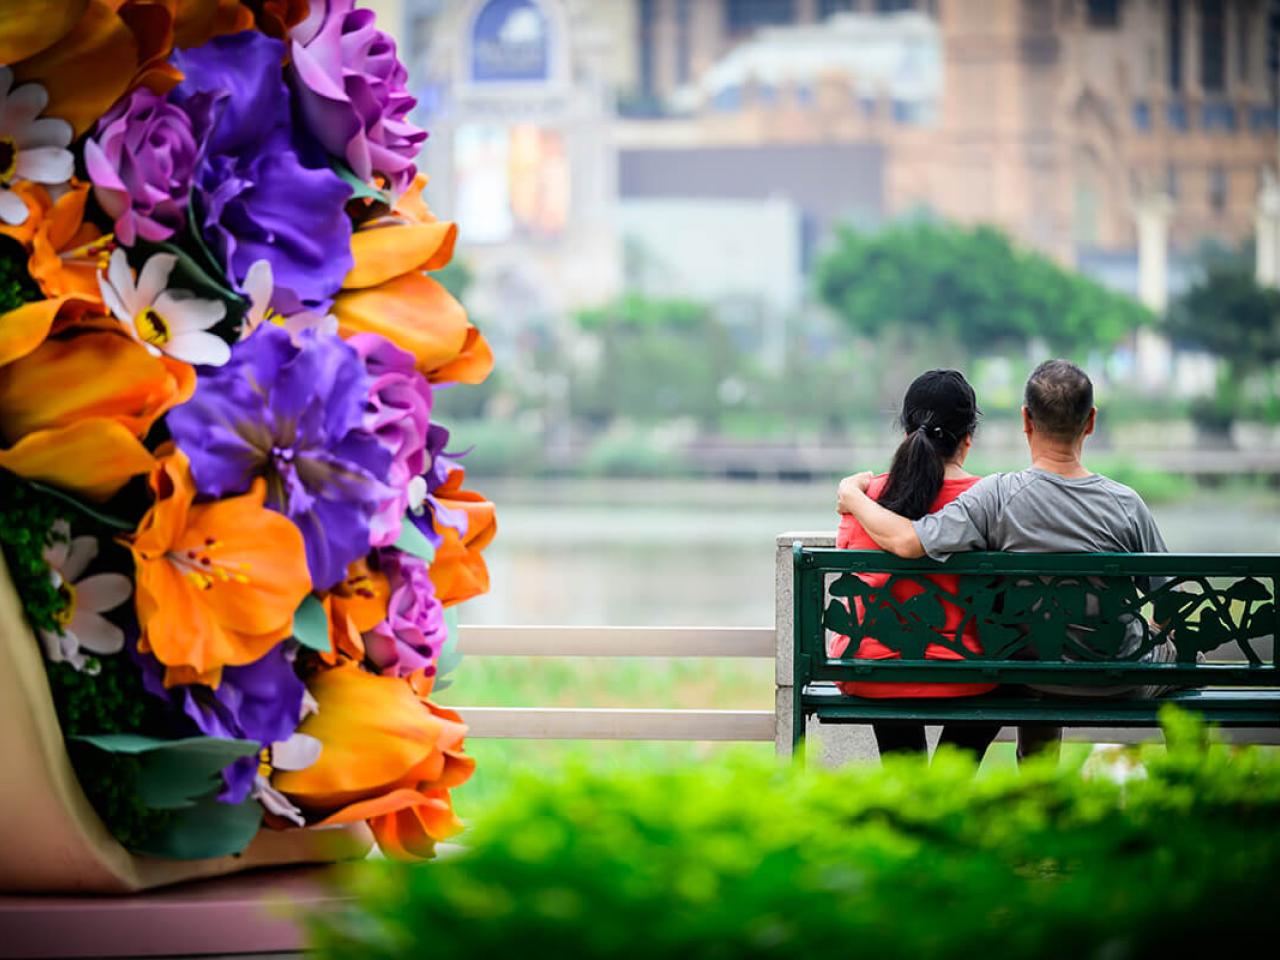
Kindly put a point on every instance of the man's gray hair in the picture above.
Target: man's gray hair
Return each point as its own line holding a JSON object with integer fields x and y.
{"x": 1059, "y": 397}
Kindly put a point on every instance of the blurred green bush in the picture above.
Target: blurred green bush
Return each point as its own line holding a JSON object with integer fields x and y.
{"x": 754, "y": 859}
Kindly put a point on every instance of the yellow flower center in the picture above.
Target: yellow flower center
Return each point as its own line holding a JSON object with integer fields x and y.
{"x": 264, "y": 762}
{"x": 199, "y": 567}
{"x": 8, "y": 159}
{"x": 152, "y": 328}
{"x": 64, "y": 616}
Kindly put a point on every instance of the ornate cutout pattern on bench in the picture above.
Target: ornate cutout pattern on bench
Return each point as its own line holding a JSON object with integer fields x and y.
{"x": 1051, "y": 617}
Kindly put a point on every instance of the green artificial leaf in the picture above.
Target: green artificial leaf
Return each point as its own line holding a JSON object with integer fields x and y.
{"x": 173, "y": 773}
{"x": 105, "y": 519}
{"x": 194, "y": 276}
{"x": 311, "y": 624}
{"x": 205, "y": 829}
{"x": 450, "y": 656}
{"x": 360, "y": 190}
{"x": 412, "y": 540}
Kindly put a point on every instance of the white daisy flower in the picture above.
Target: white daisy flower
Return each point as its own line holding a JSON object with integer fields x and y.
{"x": 32, "y": 147}
{"x": 297, "y": 753}
{"x": 81, "y": 621}
{"x": 172, "y": 322}
{"x": 259, "y": 284}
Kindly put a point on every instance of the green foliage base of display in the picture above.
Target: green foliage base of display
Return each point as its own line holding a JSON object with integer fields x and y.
{"x": 750, "y": 859}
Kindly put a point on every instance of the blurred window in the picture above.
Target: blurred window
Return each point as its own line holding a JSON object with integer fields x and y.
{"x": 766, "y": 94}
{"x": 743, "y": 15}
{"x": 684, "y": 61}
{"x": 646, "y": 46}
{"x": 1213, "y": 53}
{"x": 893, "y": 6}
{"x": 1218, "y": 189}
{"x": 869, "y": 106}
{"x": 1142, "y": 116}
{"x": 827, "y": 7}
{"x": 1217, "y": 115}
{"x": 1171, "y": 181}
{"x": 1177, "y": 115}
{"x": 804, "y": 95}
{"x": 1104, "y": 13}
{"x": 1175, "y": 44}
{"x": 1262, "y": 118}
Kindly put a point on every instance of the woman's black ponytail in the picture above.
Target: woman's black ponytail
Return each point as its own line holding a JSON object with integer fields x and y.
{"x": 939, "y": 411}
{"x": 915, "y": 476}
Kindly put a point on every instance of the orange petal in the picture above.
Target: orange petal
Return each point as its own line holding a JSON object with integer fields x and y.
{"x": 412, "y": 311}
{"x": 31, "y": 27}
{"x": 472, "y": 365}
{"x": 38, "y": 203}
{"x": 96, "y": 374}
{"x": 93, "y": 457}
{"x": 67, "y": 251}
{"x": 152, "y": 23}
{"x": 25, "y": 328}
{"x": 458, "y": 571}
{"x": 374, "y": 733}
{"x": 384, "y": 252}
{"x": 88, "y": 69}
{"x": 219, "y": 589}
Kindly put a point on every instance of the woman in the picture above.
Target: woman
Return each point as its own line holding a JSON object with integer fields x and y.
{"x": 939, "y": 416}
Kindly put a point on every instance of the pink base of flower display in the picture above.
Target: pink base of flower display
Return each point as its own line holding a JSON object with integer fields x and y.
{"x": 52, "y": 841}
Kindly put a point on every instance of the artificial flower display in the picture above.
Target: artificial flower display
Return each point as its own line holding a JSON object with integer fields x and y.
{"x": 230, "y": 515}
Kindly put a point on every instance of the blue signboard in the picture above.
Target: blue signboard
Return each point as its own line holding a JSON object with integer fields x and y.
{"x": 510, "y": 42}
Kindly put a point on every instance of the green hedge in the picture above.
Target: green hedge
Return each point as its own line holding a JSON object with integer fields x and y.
{"x": 759, "y": 860}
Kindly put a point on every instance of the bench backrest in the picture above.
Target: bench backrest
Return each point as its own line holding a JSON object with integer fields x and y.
{"x": 1078, "y": 618}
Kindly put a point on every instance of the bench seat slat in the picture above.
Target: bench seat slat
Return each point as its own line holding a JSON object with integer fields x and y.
{"x": 1255, "y": 707}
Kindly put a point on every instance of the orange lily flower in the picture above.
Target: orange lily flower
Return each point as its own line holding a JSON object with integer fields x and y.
{"x": 458, "y": 571}
{"x": 72, "y": 410}
{"x": 387, "y": 756}
{"x": 32, "y": 27}
{"x": 66, "y": 251}
{"x": 217, "y": 583}
{"x": 357, "y": 604}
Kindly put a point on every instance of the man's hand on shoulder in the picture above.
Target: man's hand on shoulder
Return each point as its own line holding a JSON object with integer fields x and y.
{"x": 850, "y": 487}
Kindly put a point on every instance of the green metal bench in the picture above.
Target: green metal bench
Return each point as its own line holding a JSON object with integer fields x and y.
{"x": 1061, "y": 619}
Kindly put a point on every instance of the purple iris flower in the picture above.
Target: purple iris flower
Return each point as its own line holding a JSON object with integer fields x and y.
{"x": 414, "y": 631}
{"x": 259, "y": 701}
{"x": 293, "y": 413}
{"x": 253, "y": 196}
{"x": 351, "y": 87}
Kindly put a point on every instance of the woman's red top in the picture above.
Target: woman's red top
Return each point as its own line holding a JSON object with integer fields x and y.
{"x": 851, "y": 536}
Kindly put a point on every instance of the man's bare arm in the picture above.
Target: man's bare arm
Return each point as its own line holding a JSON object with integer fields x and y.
{"x": 890, "y": 531}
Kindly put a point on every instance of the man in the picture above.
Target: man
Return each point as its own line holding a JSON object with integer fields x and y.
{"x": 1054, "y": 506}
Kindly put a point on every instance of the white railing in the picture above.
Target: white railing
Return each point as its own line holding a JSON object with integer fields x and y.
{"x": 626, "y": 723}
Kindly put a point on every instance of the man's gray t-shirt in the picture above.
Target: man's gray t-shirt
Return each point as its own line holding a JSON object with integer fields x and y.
{"x": 1035, "y": 511}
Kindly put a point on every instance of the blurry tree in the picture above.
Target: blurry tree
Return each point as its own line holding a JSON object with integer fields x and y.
{"x": 655, "y": 360}
{"x": 1229, "y": 315}
{"x": 456, "y": 277}
{"x": 970, "y": 288}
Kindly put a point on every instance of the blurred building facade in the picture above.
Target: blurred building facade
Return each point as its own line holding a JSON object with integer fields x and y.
{"x": 1059, "y": 120}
